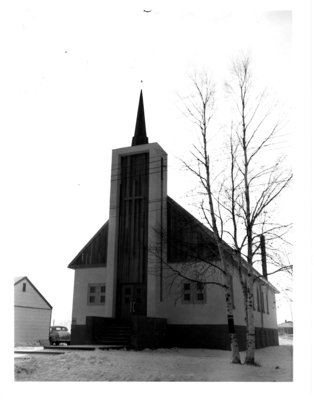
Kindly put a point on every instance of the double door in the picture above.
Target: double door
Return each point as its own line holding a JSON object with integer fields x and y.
{"x": 132, "y": 300}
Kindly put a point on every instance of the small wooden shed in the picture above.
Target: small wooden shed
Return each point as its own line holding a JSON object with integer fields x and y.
{"x": 32, "y": 313}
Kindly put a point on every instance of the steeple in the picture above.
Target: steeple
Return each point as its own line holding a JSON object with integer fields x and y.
{"x": 140, "y": 127}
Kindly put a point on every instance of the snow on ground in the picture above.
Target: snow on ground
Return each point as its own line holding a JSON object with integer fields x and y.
{"x": 286, "y": 339}
{"x": 155, "y": 365}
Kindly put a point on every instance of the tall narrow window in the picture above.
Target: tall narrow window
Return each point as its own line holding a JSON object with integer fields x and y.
{"x": 258, "y": 298}
{"x": 262, "y": 300}
{"x": 24, "y": 287}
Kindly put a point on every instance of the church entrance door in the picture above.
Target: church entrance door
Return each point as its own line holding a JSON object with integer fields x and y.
{"x": 133, "y": 300}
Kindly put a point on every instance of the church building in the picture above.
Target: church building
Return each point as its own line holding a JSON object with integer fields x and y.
{"x": 140, "y": 281}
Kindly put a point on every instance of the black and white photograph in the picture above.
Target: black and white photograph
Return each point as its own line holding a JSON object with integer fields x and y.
{"x": 157, "y": 198}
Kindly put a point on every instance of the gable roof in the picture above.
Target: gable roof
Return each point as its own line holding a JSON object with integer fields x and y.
{"x": 94, "y": 253}
{"x": 17, "y": 280}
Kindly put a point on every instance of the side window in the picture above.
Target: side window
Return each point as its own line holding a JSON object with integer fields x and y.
{"x": 187, "y": 292}
{"x": 199, "y": 296}
{"x": 258, "y": 298}
{"x": 24, "y": 287}
{"x": 193, "y": 293}
{"x": 267, "y": 305}
{"x": 96, "y": 294}
{"x": 262, "y": 300}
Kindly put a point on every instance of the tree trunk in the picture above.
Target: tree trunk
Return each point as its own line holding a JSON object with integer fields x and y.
{"x": 236, "y": 359}
{"x": 250, "y": 346}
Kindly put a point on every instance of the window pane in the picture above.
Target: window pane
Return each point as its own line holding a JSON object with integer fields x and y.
{"x": 127, "y": 290}
{"x": 187, "y": 286}
{"x": 92, "y": 299}
{"x": 200, "y": 286}
{"x": 92, "y": 289}
{"x": 200, "y": 297}
{"x": 103, "y": 289}
{"x": 187, "y": 297}
{"x": 102, "y": 299}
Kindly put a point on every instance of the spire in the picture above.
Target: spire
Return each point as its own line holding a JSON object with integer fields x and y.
{"x": 140, "y": 127}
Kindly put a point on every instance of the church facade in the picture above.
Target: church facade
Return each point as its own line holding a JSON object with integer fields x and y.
{"x": 140, "y": 279}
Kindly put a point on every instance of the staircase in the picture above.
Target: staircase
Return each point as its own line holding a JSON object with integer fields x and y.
{"x": 117, "y": 334}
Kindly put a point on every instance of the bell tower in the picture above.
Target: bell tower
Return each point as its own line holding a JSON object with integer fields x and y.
{"x": 137, "y": 219}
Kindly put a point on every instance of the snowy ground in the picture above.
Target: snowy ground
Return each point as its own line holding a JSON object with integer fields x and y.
{"x": 155, "y": 365}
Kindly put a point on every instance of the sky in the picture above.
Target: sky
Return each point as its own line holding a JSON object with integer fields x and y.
{"x": 73, "y": 85}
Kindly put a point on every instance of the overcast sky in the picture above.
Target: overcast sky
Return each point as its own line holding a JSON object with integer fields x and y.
{"x": 74, "y": 80}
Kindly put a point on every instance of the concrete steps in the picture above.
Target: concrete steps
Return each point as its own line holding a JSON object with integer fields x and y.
{"x": 118, "y": 334}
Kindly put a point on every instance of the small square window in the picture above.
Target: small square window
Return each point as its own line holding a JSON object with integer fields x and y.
{"x": 92, "y": 289}
{"x": 102, "y": 289}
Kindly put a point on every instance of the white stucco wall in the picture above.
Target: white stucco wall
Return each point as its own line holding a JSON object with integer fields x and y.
{"x": 84, "y": 277}
{"x": 213, "y": 311}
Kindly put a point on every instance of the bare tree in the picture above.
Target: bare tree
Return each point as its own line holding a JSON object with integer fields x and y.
{"x": 199, "y": 108}
{"x": 255, "y": 183}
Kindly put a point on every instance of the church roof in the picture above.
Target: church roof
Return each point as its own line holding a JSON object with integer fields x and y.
{"x": 187, "y": 238}
{"x": 184, "y": 235}
{"x": 94, "y": 253}
{"x": 140, "y": 136}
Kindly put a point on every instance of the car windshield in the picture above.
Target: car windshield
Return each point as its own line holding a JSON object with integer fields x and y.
{"x": 60, "y": 328}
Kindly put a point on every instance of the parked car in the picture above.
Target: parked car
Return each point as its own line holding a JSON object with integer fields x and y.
{"x": 59, "y": 334}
